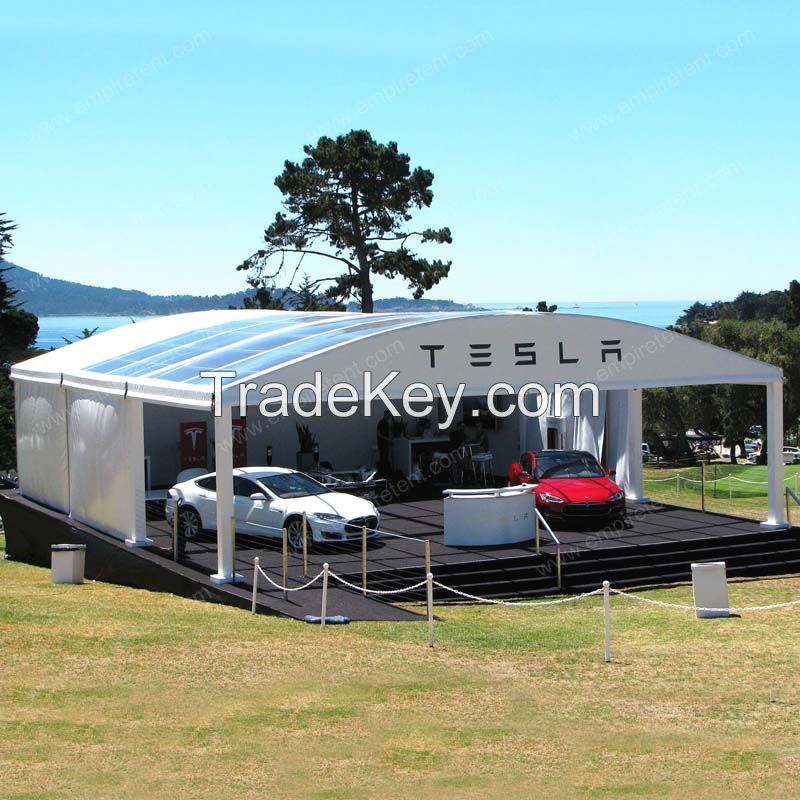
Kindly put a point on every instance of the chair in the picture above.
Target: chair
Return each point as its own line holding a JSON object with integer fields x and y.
{"x": 456, "y": 461}
{"x": 481, "y": 460}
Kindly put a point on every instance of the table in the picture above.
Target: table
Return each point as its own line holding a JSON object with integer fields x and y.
{"x": 486, "y": 517}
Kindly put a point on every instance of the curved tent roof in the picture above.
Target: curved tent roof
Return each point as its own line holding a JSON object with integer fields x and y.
{"x": 161, "y": 359}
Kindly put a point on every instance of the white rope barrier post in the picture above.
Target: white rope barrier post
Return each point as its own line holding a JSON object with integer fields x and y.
{"x": 324, "y": 594}
{"x": 175, "y": 531}
{"x": 558, "y": 565}
{"x": 607, "y": 621}
{"x": 285, "y": 540}
{"x": 429, "y": 592}
{"x": 788, "y": 510}
{"x": 730, "y": 486}
{"x": 677, "y": 485}
{"x": 256, "y": 568}
{"x": 364, "y": 558}
{"x": 702, "y": 486}
{"x": 536, "y": 528}
{"x": 428, "y": 556}
{"x": 305, "y": 545}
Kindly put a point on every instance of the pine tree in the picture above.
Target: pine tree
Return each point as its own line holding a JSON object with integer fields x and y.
{"x": 18, "y": 332}
{"x": 350, "y": 201}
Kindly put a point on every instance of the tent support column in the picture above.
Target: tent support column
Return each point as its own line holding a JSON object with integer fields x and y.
{"x": 223, "y": 466}
{"x": 776, "y": 513}
{"x": 633, "y": 456}
{"x": 135, "y": 463}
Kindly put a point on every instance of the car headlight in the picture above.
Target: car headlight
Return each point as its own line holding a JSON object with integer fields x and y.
{"x": 551, "y": 498}
{"x": 616, "y": 496}
{"x": 329, "y": 517}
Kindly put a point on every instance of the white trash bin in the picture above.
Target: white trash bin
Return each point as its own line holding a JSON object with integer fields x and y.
{"x": 710, "y": 586}
{"x": 67, "y": 562}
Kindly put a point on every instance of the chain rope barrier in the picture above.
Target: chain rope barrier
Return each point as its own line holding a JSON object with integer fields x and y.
{"x": 685, "y": 607}
{"x": 528, "y": 604}
{"x": 291, "y": 588}
{"x": 729, "y": 477}
{"x": 570, "y": 599}
{"x": 376, "y": 591}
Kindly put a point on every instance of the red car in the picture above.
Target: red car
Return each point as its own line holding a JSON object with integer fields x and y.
{"x": 570, "y": 484}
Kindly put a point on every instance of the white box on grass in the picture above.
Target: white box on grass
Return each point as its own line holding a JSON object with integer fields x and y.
{"x": 710, "y": 586}
{"x": 67, "y": 562}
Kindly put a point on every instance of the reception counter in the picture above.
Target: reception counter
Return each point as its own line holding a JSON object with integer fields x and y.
{"x": 486, "y": 517}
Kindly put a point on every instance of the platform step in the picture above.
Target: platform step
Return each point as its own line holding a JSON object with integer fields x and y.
{"x": 746, "y": 555}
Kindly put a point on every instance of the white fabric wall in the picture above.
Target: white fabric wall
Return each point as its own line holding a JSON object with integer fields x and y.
{"x": 42, "y": 455}
{"x": 106, "y": 462}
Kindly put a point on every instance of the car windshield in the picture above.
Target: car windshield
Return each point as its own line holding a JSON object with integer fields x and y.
{"x": 567, "y": 464}
{"x": 292, "y": 484}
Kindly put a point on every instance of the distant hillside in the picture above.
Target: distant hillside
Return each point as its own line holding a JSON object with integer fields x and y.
{"x": 51, "y": 297}
{"x": 407, "y": 304}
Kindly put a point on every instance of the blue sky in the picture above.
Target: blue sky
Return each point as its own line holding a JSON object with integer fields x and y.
{"x": 581, "y": 151}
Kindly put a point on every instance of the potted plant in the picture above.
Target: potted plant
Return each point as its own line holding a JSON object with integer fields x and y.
{"x": 306, "y": 455}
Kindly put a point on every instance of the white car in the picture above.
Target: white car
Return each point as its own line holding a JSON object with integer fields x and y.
{"x": 647, "y": 455}
{"x": 267, "y": 499}
{"x": 791, "y": 455}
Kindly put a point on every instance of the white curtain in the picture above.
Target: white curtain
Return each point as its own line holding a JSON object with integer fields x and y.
{"x": 585, "y": 432}
{"x": 42, "y": 455}
{"x": 106, "y": 462}
{"x": 617, "y": 446}
{"x": 588, "y": 431}
{"x": 532, "y": 438}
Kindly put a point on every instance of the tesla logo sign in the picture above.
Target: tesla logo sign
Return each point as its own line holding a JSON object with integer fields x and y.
{"x": 194, "y": 445}
{"x": 193, "y": 433}
{"x": 479, "y": 354}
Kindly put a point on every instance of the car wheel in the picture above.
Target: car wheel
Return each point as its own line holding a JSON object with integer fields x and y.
{"x": 294, "y": 533}
{"x": 189, "y": 523}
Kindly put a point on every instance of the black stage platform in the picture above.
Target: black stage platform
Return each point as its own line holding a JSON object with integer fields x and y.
{"x": 656, "y": 545}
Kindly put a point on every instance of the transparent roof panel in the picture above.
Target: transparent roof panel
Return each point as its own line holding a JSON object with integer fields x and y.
{"x": 292, "y": 347}
{"x": 143, "y": 361}
{"x": 248, "y": 350}
{"x": 253, "y": 346}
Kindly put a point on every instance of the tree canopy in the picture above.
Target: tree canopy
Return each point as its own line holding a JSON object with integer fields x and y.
{"x": 7, "y": 228}
{"x": 349, "y": 202}
{"x": 18, "y": 332}
{"x": 762, "y": 326}
{"x": 778, "y": 304}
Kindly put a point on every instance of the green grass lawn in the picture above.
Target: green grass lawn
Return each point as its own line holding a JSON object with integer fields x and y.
{"x": 110, "y": 692}
{"x": 738, "y": 489}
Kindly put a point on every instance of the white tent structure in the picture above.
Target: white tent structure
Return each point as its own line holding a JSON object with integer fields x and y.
{"x": 80, "y": 409}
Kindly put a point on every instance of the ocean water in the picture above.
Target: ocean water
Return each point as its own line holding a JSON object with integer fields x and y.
{"x": 649, "y": 312}
{"x": 53, "y": 331}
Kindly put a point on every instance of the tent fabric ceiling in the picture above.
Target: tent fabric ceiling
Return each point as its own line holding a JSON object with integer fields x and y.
{"x": 161, "y": 359}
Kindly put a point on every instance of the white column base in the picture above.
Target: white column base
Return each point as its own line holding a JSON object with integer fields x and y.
{"x": 638, "y": 500}
{"x": 774, "y": 526}
{"x": 139, "y": 542}
{"x": 219, "y": 579}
